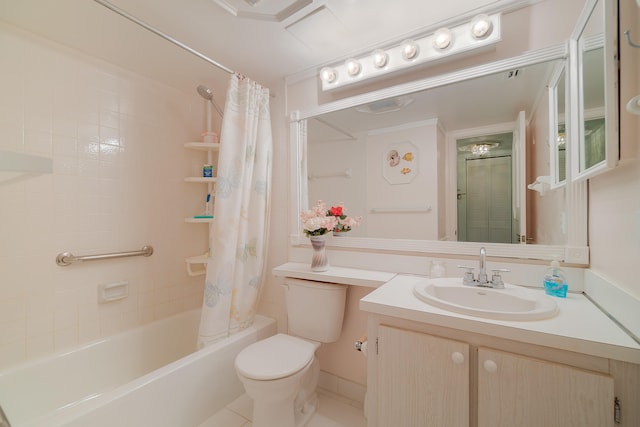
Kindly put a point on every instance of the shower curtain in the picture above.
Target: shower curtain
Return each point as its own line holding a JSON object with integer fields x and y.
{"x": 235, "y": 269}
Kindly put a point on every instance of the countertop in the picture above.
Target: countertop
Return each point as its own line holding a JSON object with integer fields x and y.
{"x": 580, "y": 326}
{"x": 342, "y": 275}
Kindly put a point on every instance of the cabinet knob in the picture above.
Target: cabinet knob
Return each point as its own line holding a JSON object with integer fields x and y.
{"x": 490, "y": 366}
{"x": 457, "y": 357}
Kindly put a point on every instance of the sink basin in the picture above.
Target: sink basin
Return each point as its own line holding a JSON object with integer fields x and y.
{"x": 511, "y": 303}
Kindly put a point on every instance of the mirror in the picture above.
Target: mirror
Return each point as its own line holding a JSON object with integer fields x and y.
{"x": 595, "y": 44}
{"x": 393, "y": 163}
{"x": 391, "y": 156}
{"x": 558, "y": 95}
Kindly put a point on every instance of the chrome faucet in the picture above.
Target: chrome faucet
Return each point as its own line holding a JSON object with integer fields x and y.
{"x": 482, "y": 274}
{"x": 482, "y": 280}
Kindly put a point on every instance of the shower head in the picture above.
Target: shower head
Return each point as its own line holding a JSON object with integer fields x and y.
{"x": 205, "y": 92}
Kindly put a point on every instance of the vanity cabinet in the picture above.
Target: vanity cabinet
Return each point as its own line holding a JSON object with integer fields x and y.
{"x": 516, "y": 391}
{"x": 422, "y": 380}
{"x": 437, "y": 379}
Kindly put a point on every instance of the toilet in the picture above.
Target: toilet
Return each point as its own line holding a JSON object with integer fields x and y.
{"x": 280, "y": 373}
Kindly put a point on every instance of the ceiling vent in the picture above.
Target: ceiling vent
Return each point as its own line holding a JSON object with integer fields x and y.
{"x": 263, "y": 10}
{"x": 386, "y": 105}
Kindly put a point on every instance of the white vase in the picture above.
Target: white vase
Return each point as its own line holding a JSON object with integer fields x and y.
{"x": 319, "y": 262}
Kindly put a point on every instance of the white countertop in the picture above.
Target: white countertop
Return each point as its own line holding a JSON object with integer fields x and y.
{"x": 580, "y": 326}
{"x": 342, "y": 275}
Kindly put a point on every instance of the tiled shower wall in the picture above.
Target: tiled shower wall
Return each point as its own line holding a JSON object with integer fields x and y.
{"x": 116, "y": 140}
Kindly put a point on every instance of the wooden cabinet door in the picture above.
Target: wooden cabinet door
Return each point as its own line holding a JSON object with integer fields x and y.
{"x": 519, "y": 391}
{"x": 423, "y": 380}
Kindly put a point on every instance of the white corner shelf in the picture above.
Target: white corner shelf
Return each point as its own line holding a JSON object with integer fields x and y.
{"x": 201, "y": 179}
{"x": 28, "y": 163}
{"x": 192, "y": 220}
{"x": 203, "y": 146}
{"x": 209, "y": 148}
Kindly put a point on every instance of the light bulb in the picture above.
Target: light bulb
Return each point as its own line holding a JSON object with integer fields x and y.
{"x": 481, "y": 26}
{"x": 353, "y": 67}
{"x": 410, "y": 50}
{"x": 328, "y": 75}
{"x": 442, "y": 38}
{"x": 380, "y": 58}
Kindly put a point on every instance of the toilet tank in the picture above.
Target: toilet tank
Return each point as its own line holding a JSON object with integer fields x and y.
{"x": 315, "y": 309}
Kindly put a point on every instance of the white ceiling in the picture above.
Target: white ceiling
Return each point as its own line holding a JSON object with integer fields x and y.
{"x": 259, "y": 46}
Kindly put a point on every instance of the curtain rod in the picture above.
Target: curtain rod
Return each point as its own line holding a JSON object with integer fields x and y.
{"x": 163, "y": 35}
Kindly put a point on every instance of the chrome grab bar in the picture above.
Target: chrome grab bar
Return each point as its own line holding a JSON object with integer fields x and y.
{"x": 66, "y": 258}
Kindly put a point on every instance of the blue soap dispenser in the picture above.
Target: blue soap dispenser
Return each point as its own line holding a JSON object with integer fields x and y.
{"x": 554, "y": 281}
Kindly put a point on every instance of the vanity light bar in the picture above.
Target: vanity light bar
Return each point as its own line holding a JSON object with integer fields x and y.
{"x": 482, "y": 31}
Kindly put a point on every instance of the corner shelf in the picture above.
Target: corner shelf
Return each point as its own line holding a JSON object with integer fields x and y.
{"x": 200, "y": 179}
{"x": 209, "y": 148}
{"x": 203, "y": 146}
{"x": 27, "y": 163}
{"x": 192, "y": 220}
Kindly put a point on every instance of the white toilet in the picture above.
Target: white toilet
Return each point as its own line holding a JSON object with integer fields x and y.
{"x": 280, "y": 373}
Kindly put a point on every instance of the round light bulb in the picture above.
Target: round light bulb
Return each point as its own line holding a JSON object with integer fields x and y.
{"x": 380, "y": 58}
{"x": 328, "y": 75}
{"x": 353, "y": 67}
{"x": 410, "y": 50}
{"x": 481, "y": 26}
{"x": 442, "y": 38}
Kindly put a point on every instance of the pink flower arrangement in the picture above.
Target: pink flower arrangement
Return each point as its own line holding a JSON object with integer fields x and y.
{"x": 319, "y": 220}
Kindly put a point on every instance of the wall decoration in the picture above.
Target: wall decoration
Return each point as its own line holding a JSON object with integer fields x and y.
{"x": 400, "y": 163}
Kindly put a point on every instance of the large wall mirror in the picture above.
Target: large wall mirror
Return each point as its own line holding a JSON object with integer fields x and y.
{"x": 406, "y": 157}
{"x": 594, "y": 43}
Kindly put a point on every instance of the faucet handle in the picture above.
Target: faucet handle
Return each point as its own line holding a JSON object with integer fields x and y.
{"x": 468, "y": 278}
{"x": 496, "y": 278}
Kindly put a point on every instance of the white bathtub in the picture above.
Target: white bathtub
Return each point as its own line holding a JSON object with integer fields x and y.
{"x": 149, "y": 376}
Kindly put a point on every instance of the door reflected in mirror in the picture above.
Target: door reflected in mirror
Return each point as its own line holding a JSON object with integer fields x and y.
{"x": 485, "y": 209}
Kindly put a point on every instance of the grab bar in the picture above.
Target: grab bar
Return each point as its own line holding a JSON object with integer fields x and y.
{"x": 66, "y": 258}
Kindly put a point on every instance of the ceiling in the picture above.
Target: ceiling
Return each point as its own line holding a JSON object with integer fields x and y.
{"x": 266, "y": 42}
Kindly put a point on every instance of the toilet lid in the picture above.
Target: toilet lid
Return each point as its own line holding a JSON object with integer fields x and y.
{"x": 275, "y": 357}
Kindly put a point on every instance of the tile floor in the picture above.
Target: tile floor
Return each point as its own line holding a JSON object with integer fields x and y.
{"x": 333, "y": 411}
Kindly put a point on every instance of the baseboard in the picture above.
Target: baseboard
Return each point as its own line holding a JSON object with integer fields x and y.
{"x": 617, "y": 303}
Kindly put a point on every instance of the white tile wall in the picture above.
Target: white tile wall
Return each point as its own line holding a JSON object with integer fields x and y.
{"x": 116, "y": 140}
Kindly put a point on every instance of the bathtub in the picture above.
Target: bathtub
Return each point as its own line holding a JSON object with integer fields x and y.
{"x": 149, "y": 376}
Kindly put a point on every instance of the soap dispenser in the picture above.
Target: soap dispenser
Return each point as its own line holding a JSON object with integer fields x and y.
{"x": 554, "y": 281}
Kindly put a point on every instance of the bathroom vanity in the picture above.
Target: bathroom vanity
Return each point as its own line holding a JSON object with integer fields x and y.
{"x": 429, "y": 366}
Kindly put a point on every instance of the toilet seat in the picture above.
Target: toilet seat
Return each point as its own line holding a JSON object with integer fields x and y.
{"x": 278, "y": 356}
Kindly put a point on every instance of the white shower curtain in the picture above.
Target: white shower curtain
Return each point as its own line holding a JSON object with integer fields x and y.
{"x": 235, "y": 269}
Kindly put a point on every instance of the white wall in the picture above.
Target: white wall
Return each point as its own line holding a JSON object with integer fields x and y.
{"x": 338, "y": 157}
{"x": 614, "y": 197}
{"x": 415, "y": 188}
{"x": 116, "y": 141}
{"x": 544, "y": 211}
